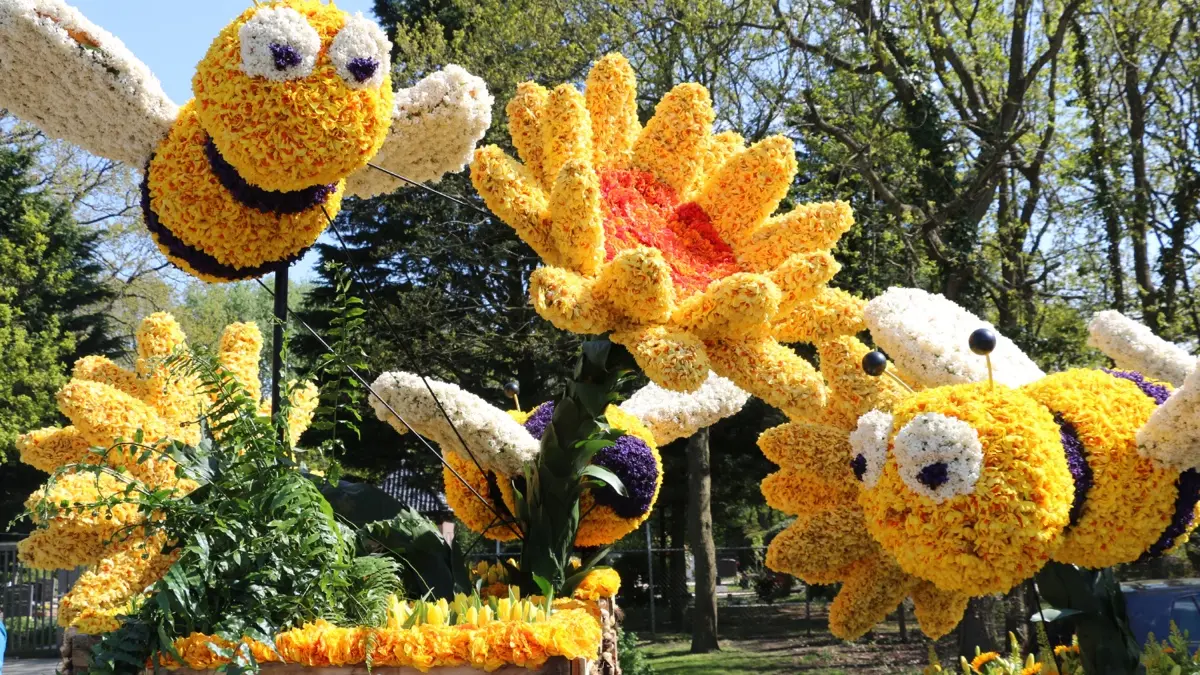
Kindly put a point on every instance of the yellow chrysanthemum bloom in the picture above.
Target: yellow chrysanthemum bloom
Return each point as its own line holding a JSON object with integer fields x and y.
{"x": 664, "y": 235}
{"x": 106, "y": 404}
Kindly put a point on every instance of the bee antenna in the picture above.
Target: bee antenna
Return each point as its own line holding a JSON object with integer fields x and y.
{"x": 983, "y": 342}
{"x": 875, "y": 364}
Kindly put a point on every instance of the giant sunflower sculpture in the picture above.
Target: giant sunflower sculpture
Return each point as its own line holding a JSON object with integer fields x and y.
{"x": 664, "y": 235}
{"x": 107, "y": 404}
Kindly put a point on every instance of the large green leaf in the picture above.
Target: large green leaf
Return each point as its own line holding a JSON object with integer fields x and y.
{"x": 1091, "y": 601}
{"x": 429, "y": 565}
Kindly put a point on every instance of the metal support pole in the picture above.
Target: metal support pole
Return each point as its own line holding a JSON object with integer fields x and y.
{"x": 281, "y": 314}
{"x": 650, "y": 578}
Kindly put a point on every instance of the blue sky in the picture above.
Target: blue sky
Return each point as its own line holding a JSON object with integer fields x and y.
{"x": 172, "y": 36}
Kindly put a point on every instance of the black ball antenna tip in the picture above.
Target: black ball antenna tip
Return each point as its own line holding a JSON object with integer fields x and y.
{"x": 874, "y": 363}
{"x": 512, "y": 389}
{"x": 982, "y": 341}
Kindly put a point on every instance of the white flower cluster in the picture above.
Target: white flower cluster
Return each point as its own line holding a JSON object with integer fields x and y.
{"x": 496, "y": 440}
{"x": 78, "y": 83}
{"x": 270, "y": 30}
{"x": 1172, "y": 434}
{"x": 435, "y": 126}
{"x": 361, "y": 38}
{"x": 933, "y": 438}
{"x": 671, "y": 415}
{"x": 870, "y": 439}
{"x": 1133, "y": 346}
{"x": 926, "y": 336}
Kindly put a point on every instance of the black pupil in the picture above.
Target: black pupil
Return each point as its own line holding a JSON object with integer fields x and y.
{"x": 362, "y": 68}
{"x": 934, "y": 475}
{"x": 859, "y": 465}
{"x": 285, "y": 56}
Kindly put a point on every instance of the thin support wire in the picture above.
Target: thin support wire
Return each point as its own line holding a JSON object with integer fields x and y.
{"x": 457, "y": 200}
{"x": 412, "y": 359}
{"x": 361, "y": 380}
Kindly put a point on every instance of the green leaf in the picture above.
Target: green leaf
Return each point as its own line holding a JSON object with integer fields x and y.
{"x": 605, "y": 476}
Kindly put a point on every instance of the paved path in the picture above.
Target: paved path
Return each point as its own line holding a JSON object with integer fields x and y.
{"x": 28, "y": 666}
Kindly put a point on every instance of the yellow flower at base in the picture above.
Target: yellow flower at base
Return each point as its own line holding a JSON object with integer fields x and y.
{"x": 488, "y": 644}
{"x": 664, "y": 235}
{"x": 599, "y": 583}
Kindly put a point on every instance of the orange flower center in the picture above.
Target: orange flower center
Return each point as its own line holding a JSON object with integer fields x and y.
{"x": 640, "y": 210}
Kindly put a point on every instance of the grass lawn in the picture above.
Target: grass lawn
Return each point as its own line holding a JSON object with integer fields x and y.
{"x": 673, "y": 658}
{"x": 782, "y": 639}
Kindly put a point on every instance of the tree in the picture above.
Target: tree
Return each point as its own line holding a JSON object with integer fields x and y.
{"x": 700, "y": 536}
{"x": 50, "y": 294}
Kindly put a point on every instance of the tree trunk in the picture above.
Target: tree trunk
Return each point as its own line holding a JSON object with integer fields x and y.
{"x": 1139, "y": 221}
{"x": 700, "y": 536}
{"x": 982, "y": 626}
{"x": 1098, "y": 162}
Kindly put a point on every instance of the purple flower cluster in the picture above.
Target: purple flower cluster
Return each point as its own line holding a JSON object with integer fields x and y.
{"x": 285, "y": 56}
{"x": 540, "y": 419}
{"x": 362, "y": 68}
{"x": 859, "y": 466}
{"x": 633, "y": 462}
{"x": 199, "y": 260}
{"x": 266, "y": 201}
{"x": 630, "y": 459}
{"x": 935, "y": 475}
{"x": 1081, "y": 472}
{"x": 1181, "y": 520}
{"x": 1157, "y": 392}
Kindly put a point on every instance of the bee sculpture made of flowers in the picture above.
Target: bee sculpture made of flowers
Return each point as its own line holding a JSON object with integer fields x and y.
{"x": 489, "y": 448}
{"x": 292, "y": 100}
{"x": 974, "y": 485}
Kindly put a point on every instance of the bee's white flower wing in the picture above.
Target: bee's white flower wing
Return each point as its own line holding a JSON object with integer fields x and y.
{"x": 76, "y": 82}
{"x": 436, "y": 125}
{"x": 926, "y": 336}
{"x": 1133, "y": 346}
{"x": 494, "y": 438}
{"x": 672, "y": 415}
{"x": 1172, "y": 434}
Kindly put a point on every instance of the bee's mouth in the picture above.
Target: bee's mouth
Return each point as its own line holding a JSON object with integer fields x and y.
{"x": 266, "y": 201}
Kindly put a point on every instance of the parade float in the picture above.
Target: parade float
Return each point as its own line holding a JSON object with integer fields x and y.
{"x": 954, "y": 470}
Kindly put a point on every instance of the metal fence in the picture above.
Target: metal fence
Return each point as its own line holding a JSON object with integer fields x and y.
{"x": 29, "y": 604}
{"x": 658, "y": 587}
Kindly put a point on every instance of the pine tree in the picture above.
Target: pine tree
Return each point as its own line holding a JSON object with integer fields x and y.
{"x": 50, "y": 309}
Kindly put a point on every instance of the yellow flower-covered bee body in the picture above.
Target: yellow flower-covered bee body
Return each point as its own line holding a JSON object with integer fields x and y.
{"x": 977, "y": 486}
{"x": 291, "y": 101}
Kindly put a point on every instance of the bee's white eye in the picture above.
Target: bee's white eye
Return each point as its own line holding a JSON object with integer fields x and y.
{"x": 278, "y": 44}
{"x": 939, "y": 456}
{"x": 869, "y": 443}
{"x": 361, "y": 53}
